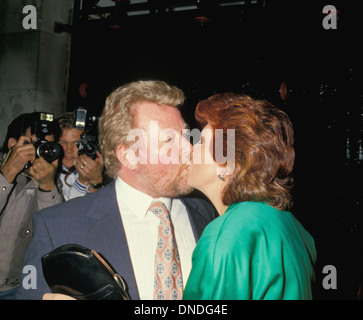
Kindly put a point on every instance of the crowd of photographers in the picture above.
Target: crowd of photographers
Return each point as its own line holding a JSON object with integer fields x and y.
{"x": 44, "y": 161}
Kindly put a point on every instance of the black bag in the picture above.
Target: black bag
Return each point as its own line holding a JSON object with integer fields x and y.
{"x": 83, "y": 274}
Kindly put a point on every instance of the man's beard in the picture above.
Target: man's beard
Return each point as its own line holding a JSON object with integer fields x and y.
{"x": 164, "y": 185}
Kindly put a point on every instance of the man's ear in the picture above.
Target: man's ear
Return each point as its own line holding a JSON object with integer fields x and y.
{"x": 126, "y": 157}
{"x": 12, "y": 142}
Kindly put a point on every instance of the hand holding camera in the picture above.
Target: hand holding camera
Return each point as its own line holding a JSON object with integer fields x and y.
{"x": 90, "y": 170}
{"x": 44, "y": 172}
{"x": 89, "y": 163}
{"x": 22, "y": 152}
{"x": 33, "y": 155}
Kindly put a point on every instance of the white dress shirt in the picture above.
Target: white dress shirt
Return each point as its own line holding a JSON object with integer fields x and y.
{"x": 141, "y": 229}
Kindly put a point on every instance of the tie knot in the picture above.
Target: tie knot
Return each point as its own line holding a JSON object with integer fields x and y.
{"x": 159, "y": 208}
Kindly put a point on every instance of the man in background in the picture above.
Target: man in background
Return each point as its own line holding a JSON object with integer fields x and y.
{"x": 80, "y": 174}
{"x": 21, "y": 195}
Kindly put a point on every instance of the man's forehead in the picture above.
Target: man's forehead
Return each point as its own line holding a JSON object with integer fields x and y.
{"x": 144, "y": 107}
{"x": 29, "y": 134}
{"x": 167, "y": 116}
{"x": 73, "y": 132}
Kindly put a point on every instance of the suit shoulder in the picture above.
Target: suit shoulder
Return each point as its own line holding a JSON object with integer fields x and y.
{"x": 197, "y": 202}
{"x": 75, "y": 202}
{"x": 200, "y": 205}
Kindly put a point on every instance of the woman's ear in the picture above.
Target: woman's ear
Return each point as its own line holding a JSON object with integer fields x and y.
{"x": 12, "y": 142}
{"x": 126, "y": 157}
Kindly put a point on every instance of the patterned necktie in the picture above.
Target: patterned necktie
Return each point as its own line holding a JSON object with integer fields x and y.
{"x": 168, "y": 282}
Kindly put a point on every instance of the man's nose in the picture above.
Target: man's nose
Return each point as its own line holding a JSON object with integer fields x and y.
{"x": 70, "y": 147}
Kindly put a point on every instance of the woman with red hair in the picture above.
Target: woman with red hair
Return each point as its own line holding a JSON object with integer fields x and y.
{"x": 255, "y": 249}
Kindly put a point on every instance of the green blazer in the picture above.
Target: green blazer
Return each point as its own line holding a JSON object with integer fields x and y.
{"x": 252, "y": 251}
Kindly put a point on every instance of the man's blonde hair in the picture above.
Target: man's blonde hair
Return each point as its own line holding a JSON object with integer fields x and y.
{"x": 117, "y": 117}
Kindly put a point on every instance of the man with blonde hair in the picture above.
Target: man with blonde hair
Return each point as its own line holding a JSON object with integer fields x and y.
{"x": 80, "y": 174}
{"x": 122, "y": 220}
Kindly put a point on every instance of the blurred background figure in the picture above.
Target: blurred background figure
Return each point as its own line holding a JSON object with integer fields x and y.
{"x": 80, "y": 174}
{"x": 28, "y": 144}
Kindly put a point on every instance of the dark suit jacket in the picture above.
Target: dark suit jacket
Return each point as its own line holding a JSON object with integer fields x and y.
{"x": 93, "y": 221}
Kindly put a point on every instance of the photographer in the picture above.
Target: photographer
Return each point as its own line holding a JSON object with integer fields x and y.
{"x": 21, "y": 195}
{"x": 80, "y": 174}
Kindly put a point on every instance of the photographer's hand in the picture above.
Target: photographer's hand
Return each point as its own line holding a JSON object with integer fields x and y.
{"x": 20, "y": 155}
{"x": 44, "y": 173}
{"x": 90, "y": 171}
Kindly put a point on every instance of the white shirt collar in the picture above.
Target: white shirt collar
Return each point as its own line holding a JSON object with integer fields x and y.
{"x": 136, "y": 200}
{"x": 67, "y": 169}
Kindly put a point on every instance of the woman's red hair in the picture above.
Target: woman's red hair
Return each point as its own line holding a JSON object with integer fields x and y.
{"x": 264, "y": 153}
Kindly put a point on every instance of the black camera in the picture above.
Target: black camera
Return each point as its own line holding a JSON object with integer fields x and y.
{"x": 43, "y": 126}
{"x": 88, "y": 144}
{"x": 49, "y": 150}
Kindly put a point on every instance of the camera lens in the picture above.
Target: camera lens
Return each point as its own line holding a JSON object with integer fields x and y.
{"x": 50, "y": 151}
{"x": 88, "y": 146}
{"x": 90, "y": 149}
